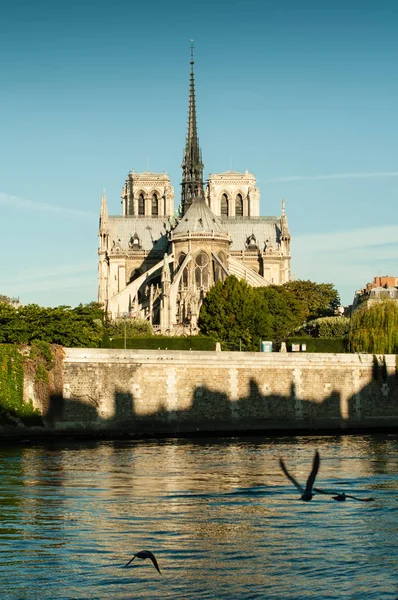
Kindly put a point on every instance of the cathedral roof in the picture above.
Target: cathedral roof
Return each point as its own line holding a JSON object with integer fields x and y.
{"x": 266, "y": 231}
{"x": 199, "y": 218}
{"x": 151, "y": 232}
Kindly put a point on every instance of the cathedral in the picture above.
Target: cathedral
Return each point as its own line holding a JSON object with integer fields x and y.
{"x": 158, "y": 266}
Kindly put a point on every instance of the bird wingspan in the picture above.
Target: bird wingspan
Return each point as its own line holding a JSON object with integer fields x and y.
{"x": 154, "y": 561}
{"x": 360, "y": 499}
{"x": 314, "y": 471}
{"x": 290, "y": 477}
{"x": 143, "y": 554}
{"x": 327, "y": 492}
{"x": 130, "y": 561}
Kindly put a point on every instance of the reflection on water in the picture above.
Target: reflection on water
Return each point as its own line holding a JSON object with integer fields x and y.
{"x": 219, "y": 515}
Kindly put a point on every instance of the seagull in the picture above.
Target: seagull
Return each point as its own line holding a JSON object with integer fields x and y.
{"x": 306, "y": 494}
{"x": 342, "y": 496}
{"x": 143, "y": 555}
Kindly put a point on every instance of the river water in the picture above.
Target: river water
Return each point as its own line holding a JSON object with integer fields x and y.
{"x": 220, "y": 516}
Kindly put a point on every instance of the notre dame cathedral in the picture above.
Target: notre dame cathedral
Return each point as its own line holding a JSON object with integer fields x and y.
{"x": 159, "y": 267}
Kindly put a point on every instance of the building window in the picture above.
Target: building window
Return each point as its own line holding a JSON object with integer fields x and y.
{"x": 224, "y": 205}
{"x": 141, "y": 205}
{"x": 155, "y": 205}
{"x": 202, "y": 271}
{"x": 239, "y": 206}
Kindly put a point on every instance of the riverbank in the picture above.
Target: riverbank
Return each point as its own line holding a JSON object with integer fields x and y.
{"x": 93, "y": 393}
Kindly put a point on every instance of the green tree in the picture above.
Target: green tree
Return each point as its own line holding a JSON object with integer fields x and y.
{"x": 286, "y": 312}
{"x": 7, "y": 316}
{"x": 133, "y": 328}
{"x": 228, "y": 314}
{"x": 236, "y": 314}
{"x": 319, "y": 299}
{"x": 374, "y": 329}
{"x": 81, "y": 326}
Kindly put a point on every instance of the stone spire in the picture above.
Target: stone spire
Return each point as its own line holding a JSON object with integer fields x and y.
{"x": 104, "y": 211}
{"x": 104, "y": 205}
{"x": 192, "y": 166}
{"x": 284, "y": 225}
{"x": 285, "y": 234}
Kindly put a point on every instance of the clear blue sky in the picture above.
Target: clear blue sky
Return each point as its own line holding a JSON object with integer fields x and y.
{"x": 302, "y": 94}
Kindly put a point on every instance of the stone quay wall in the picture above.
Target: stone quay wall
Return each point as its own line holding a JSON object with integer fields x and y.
{"x": 167, "y": 392}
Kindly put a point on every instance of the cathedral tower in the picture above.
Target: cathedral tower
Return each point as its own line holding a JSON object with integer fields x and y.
{"x": 192, "y": 166}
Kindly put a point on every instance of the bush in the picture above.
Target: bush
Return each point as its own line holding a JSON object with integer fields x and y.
{"x": 332, "y": 345}
{"x": 132, "y": 328}
{"x": 328, "y": 327}
{"x": 171, "y": 343}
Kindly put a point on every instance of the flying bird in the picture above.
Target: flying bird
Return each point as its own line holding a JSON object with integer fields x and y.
{"x": 342, "y": 496}
{"x": 143, "y": 555}
{"x": 306, "y": 494}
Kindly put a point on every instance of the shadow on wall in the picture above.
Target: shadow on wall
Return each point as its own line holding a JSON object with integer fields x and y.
{"x": 375, "y": 405}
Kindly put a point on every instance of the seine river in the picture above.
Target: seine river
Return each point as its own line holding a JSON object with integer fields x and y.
{"x": 220, "y": 516}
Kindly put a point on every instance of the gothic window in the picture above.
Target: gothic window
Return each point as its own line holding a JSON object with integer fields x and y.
{"x": 130, "y": 209}
{"x": 185, "y": 278}
{"x": 224, "y": 205}
{"x": 155, "y": 205}
{"x": 185, "y": 274}
{"x": 141, "y": 205}
{"x": 239, "y": 206}
{"x": 202, "y": 271}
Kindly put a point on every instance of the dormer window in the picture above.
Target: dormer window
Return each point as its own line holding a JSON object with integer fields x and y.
{"x": 251, "y": 242}
{"x": 135, "y": 242}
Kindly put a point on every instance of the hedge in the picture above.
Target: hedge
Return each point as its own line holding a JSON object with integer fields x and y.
{"x": 334, "y": 345}
{"x": 163, "y": 343}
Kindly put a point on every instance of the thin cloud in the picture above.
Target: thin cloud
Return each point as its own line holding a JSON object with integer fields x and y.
{"x": 343, "y": 240}
{"x": 81, "y": 283}
{"x": 49, "y": 273}
{"x": 349, "y": 259}
{"x": 332, "y": 176}
{"x": 17, "y": 202}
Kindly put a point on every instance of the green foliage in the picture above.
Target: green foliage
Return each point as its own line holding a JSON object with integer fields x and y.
{"x": 41, "y": 351}
{"x": 285, "y": 311}
{"x": 12, "y": 406}
{"x": 328, "y": 327}
{"x": 229, "y": 315}
{"x": 238, "y": 315}
{"x": 319, "y": 299}
{"x": 132, "y": 327}
{"x": 374, "y": 329}
{"x": 73, "y": 327}
{"x": 332, "y": 345}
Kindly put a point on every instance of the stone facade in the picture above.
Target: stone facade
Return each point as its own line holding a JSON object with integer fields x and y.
{"x": 233, "y": 194}
{"x": 169, "y": 392}
{"x": 141, "y": 272}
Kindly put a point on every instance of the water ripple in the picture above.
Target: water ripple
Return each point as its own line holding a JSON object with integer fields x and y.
{"x": 219, "y": 515}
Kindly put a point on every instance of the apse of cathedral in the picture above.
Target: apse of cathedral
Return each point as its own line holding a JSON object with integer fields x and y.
{"x": 157, "y": 266}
